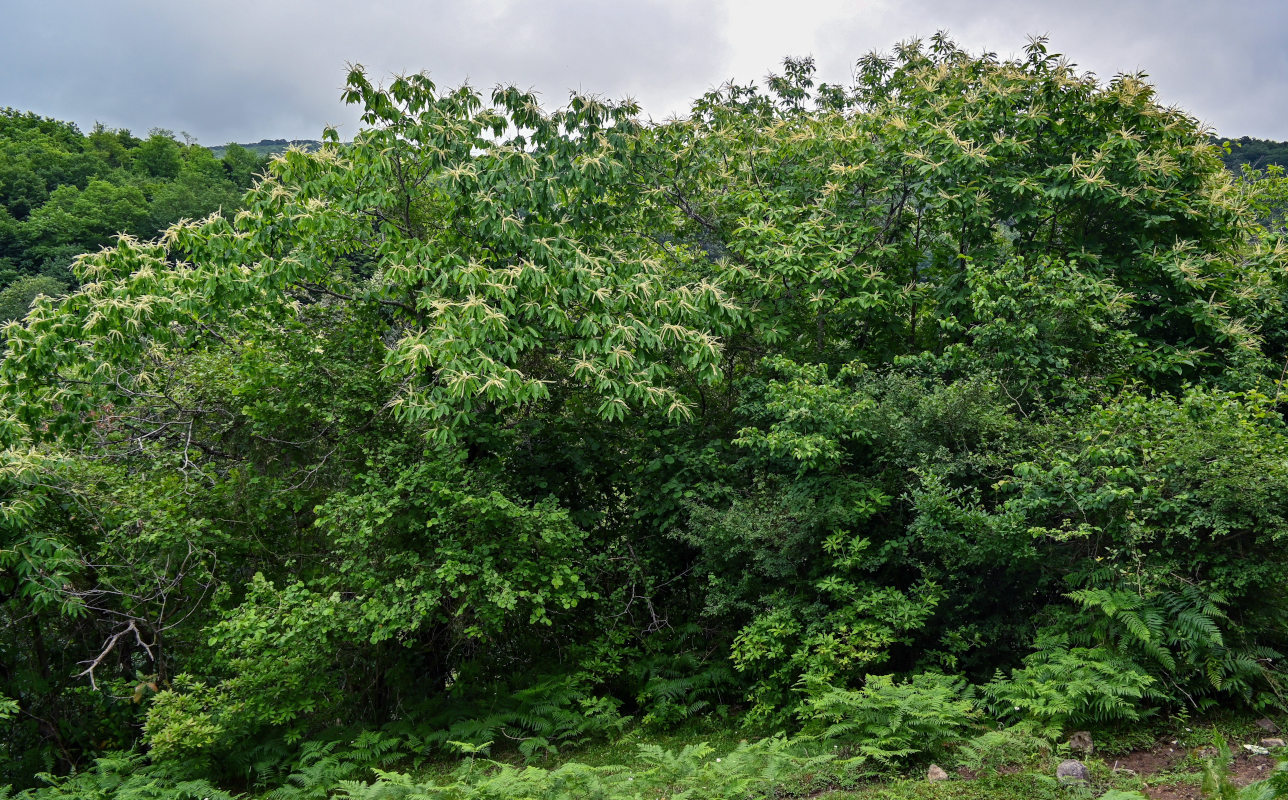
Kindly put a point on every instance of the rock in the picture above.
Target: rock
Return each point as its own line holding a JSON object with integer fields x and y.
{"x": 1267, "y": 725}
{"x": 1256, "y": 750}
{"x": 1272, "y": 742}
{"x": 936, "y": 773}
{"x": 1072, "y": 772}
{"x": 1080, "y": 742}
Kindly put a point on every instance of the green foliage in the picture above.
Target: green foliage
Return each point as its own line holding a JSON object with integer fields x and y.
{"x": 63, "y": 193}
{"x": 159, "y": 155}
{"x": 1276, "y": 786}
{"x": 778, "y": 650}
{"x": 321, "y": 766}
{"x": 242, "y": 166}
{"x": 491, "y": 560}
{"x": 1169, "y": 508}
{"x": 853, "y": 226}
{"x": 87, "y": 218}
{"x": 8, "y": 707}
{"x": 1015, "y": 745}
{"x": 539, "y": 718}
{"x": 1216, "y": 772}
{"x": 694, "y": 772}
{"x": 499, "y": 426}
{"x": 1266, "y": 192}
{"x": 1059, "y": 687}
{"x": 123, "y": 776}
{"x": 676, "y": 687}
{"x": 326, "y": 770}
{"x": 17, "y": 298}
{"x": 1178, "y": 634}
{"x": 1218, "y": 783}
{"x": 1247, "y": 152}
{"x": 890, "y": 723}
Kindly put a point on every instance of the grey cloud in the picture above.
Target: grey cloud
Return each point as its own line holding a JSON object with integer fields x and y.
{"x": 1225, "y": 65}
{"x": 242, "y": 70}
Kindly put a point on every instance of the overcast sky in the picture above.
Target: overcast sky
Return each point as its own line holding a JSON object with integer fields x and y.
{"x": 236, "y": 70}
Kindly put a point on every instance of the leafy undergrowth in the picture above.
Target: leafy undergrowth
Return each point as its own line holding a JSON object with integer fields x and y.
{"x": 1184, "y": 760}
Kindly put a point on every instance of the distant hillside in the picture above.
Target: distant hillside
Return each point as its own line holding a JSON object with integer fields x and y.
{"x": 1260, "y": 153}
{"x": 65, "y": 192}
{"x": 270, "y": 147}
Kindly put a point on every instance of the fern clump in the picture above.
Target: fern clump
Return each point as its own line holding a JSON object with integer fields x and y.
{"x": 1060, "y": 686}
{"x": 889, "y": 723}
{"x": 538, "y": 720}
{"x": 694, "y": 772}
{"x": 126, "y": 776}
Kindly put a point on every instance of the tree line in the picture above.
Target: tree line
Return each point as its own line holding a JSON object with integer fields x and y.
{"x": 63, "y": 193}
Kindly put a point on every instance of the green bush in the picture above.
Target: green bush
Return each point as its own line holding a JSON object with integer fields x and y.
{"x": 17, "y": 298}
{"x": 890, "y": 723}
{"x": 1059, "y": 687}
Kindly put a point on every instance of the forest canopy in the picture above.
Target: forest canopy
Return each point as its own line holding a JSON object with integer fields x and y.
{"x": 63, "y": 193}
{"x": 503, "y": 424}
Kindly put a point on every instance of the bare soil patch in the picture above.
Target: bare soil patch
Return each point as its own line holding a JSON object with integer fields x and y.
{"x": 1163, "y": 760}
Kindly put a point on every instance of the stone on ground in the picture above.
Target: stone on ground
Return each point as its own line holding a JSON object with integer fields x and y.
{"x": 1072, "y": 771}
{"x": 1080, "y": 742}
